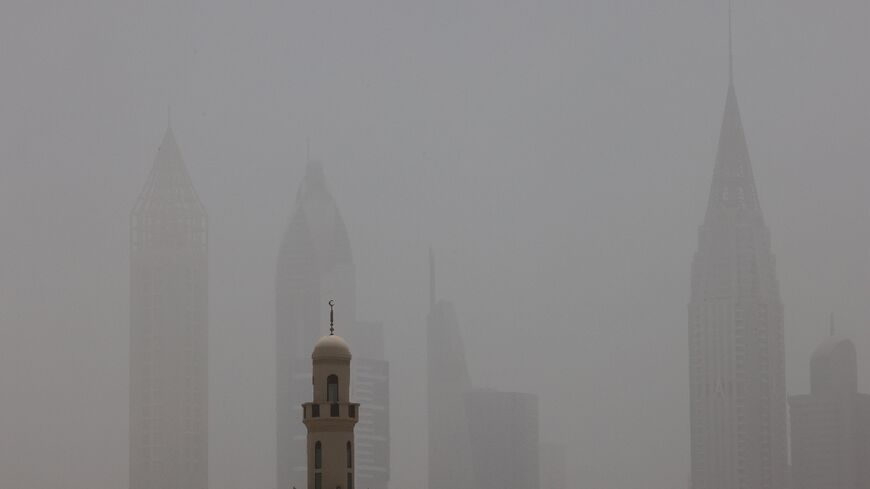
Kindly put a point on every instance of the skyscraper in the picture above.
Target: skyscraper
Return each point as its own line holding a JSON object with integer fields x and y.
{"x": 168, "y": 329}
{"x": 315, "y": 264}
{"x": 830, "y": 426}
{"x": 450, "y": 464}
{"x": 503, "y": 427}
{"x": 736, "y": 345}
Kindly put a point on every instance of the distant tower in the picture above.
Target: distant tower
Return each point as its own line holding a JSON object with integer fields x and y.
{"x": 330, "y": 417}
{"x": 736, "y": 344}
{"x": 450, "y": 463}
{"x": 315, "y": 264}
{"x": 168, "y": 329}
{"x": 831, "y": 425}
{"x": 503, "y": 427}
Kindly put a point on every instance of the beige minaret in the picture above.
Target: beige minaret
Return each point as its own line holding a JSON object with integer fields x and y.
{"x": 330, "y": 417}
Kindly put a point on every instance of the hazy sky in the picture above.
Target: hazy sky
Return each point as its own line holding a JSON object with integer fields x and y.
{"x": 556, "y": 156}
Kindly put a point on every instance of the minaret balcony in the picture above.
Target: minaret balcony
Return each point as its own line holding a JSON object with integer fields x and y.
{"x": 314, "y": 410}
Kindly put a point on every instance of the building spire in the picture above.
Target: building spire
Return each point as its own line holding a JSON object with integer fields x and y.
{"x": 331, "y": 317}
{"x": 431, "y": 279}
{"x": 730, "y": 44}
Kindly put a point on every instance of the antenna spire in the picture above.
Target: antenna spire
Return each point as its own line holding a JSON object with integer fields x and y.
{"x": 331, "y": 317}
{"x": 730, "y": 43}
{"x": 431, "y": 279}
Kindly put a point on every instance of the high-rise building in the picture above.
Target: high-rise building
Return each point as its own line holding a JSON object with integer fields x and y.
{"x": 370, "y": 386}
{"x": 315, "y": 264}
{"x": 553, "y": 465}
{"x": 168, "y": 329}
{"x": 503, "y": 427}
{"x": 736, "y": 344}
{"x": 330, "y": 416}
{"x": 450, "y": 464}
{"x": 830, "y": 426}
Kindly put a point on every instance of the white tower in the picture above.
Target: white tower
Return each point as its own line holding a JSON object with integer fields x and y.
{"x": 330, "y": 417}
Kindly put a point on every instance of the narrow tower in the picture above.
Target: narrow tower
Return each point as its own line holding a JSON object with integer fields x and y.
{"x": 330, "y": 417}
{"x": 168, "y": 329}
{"x": 448, "y": 382}
{"x": 736, "y": 344}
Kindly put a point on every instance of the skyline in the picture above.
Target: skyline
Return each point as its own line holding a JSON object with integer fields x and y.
{"x": 554, "y": 203}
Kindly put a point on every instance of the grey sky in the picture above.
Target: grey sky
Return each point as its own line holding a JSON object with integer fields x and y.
{"x": 557, "y": 157}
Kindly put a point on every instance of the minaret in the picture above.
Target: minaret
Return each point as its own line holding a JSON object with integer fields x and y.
{"x": 330, "y": 417}
{"x": 168, "y": 329}
{"x": 736, "y": 333}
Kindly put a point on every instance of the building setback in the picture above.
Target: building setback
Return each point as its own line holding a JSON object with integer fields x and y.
{"x": 315, "y": 264}
{"x": 830, "y": 426}
{"x": 168, "y": 329}
{"x": 503, "y": 427}
{"x": 736, "y": 344}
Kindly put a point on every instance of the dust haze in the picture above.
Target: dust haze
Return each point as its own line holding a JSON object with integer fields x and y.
{"x": 556, "y": 158}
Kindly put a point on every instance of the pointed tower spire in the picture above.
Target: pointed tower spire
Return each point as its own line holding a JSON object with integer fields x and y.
{"x": 431, "y": 279}
{"x": 730, "y": 44}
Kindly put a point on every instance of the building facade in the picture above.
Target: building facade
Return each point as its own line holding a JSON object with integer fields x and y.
{"x": 315, "y": 264}
{"x": 503, "y": 427}
{"x": 450, "y": 463}
{"x": 168, "y": 329}
{"x": 736, "y": 343}
{"x": 829, "y": 426}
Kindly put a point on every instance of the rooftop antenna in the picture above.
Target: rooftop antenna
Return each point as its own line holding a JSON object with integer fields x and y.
{"x": 331, "y": 317}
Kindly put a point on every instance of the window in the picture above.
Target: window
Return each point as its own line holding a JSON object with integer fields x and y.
{"x": 349, "y": 480}
{"x": 332, "y": 388}
{"x": 318, "y": 481}
{"x": 318, "y": 456}
{"x": 351, "y": 411}
{"x": 315, "y": 410}
{"x": 333, "y": 410}
{"x": 349, "y": 456}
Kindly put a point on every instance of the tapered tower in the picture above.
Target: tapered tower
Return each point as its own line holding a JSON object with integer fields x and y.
{"x": 448, "y": 382}
{"x": 168, "y": 329}
{"x": 736, "y": 344}
{"x": 330, "y": 417}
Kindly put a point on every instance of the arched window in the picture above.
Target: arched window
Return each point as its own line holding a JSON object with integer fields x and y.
{"x": 318, "y": 456}
{"x": 349, "y": 456}
{"x": 332, "y": 388}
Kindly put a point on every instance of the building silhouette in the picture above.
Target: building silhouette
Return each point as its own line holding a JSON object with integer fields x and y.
{"x": 830, "y": 427}
{"x": 736, "y": 344}
{"x": 503, "y": 427}
{"x": 450, "y": 463}
{"x": 553, "y": 465}
{"x": 330, "y": 416}
{"x": 168, "y": 329}
{"x": 315, "y": 264}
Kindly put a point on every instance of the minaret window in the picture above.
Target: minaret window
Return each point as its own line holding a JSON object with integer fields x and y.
{"x": 349, "y": 457}
{"x": 332, "y": 388}
{"x": 318, "y": 481}
{"x": 318, "y": 456}
{"x": 349, "y": 480}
